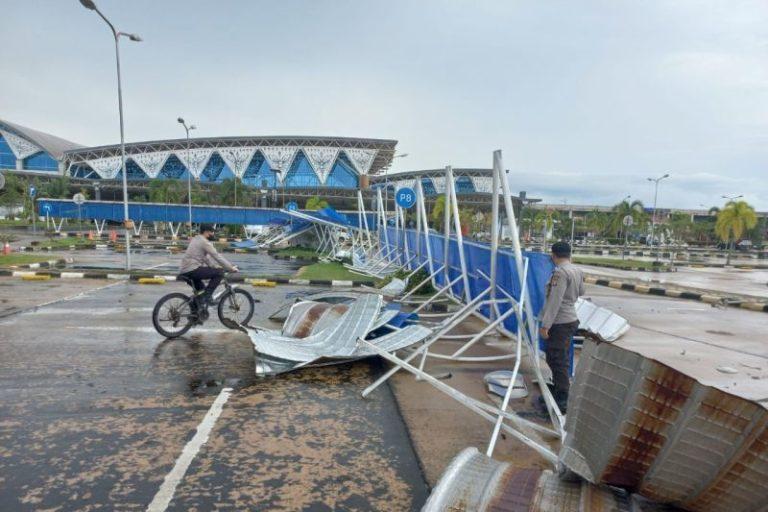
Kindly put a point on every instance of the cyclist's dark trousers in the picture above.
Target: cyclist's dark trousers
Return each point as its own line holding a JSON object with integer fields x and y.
{"x": 212, "y": 275}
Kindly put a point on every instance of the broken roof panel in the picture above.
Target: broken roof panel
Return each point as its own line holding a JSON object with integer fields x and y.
{"x": 655, "y": 415}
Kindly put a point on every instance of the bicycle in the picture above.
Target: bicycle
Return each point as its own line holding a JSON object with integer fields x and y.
{"x": 176, "y": 313}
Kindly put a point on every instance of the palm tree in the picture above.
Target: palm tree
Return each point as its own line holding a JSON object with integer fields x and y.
{"x": 732, "y": 221}
{"x": 598, "y": 222}
{"x": 635, "y": 209}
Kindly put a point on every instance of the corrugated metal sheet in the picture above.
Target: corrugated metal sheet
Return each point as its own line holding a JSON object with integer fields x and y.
{"x": 476, "y": 483}
{"x": 321, "y": 333}
{"x": 600, "y": 322}
{"x": 640, "y": 424}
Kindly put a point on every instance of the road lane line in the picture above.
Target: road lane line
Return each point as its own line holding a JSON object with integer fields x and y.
{"x": 56, "y": 301}
{"x": 165, "y": 494}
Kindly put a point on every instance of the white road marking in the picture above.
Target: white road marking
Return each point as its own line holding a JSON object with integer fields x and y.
{"x": 56, "y": 301}
{"x": 135, "y": 329}
{"x": 90, "y": 312}
{"x": 165, "y": 494}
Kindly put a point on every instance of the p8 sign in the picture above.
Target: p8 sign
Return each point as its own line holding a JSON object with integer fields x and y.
{"x": 405, "y": 197}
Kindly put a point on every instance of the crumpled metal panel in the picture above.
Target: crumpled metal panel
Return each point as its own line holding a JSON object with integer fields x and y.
{"x": 473, "y": 482}
{"x": 397, "y": 340}
{"x": 636, "y": 423}
{"x": 338, "y": 340}
{"x": 600, "y": 322}
{"x": 307, "y": 318}
{"x": 331, "y": 297}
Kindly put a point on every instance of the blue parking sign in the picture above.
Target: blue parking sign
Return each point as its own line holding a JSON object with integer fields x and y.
{"x": 405, "y": 197}
{"x": 292, "y": 206}
{"x": 32, "y": 191}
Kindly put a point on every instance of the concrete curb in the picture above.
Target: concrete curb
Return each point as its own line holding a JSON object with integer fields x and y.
{"x": 135, "y": 276}
{"x": 44, "y": 264}
{"x": 678, "y": 294}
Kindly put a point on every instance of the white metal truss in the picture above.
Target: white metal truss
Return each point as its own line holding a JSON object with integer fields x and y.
{"x": 279, "y": 158}
{"x": 237, "y": 159}
{"x": 321, "y": 159}
{"x": 107, "y": 168}
{"x": 194, "y": 160}
{"x": 362, "y": 159}
{"x": 484, "y": 305}
{"x": 21, "y": 147}
{"x": 151, "y": 163}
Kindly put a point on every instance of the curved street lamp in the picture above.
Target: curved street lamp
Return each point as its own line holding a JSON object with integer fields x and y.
{"x": 89, "y": 4}
{"x": 655, "y": 198}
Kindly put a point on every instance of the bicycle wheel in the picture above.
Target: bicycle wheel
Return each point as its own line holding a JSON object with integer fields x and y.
{"x": 173, "y": 315}
{"x": 236, "y": 306}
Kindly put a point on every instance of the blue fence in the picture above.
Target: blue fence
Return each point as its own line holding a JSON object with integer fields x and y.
{"x": 478, "y": 259}
{"x": 158, "y": 212}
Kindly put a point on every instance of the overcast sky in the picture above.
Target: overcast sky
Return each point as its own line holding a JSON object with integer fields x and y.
{"x": 586, "y": 99}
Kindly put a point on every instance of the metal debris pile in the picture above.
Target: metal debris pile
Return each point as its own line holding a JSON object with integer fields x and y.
{"x": 326, "y": 330}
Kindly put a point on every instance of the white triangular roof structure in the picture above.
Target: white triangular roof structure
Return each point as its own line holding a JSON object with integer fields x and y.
{"x": 195, "y": 160}
{"x": 107, "y": 168}
{"x": 237, "y": 159}
{"x": 21, "y": 148}
{"x": 321, "y": 159}
{"x": 151, "y": 163}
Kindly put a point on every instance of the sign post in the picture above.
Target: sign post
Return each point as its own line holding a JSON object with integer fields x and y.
{"x": 79, "y": 199}
{"x": 32, "y": 194}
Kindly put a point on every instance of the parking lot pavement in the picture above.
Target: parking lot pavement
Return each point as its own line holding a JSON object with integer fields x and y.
{"x": 735, "y": 329}
{"x": 96, "y": 410}
{"x": 736, "y": 281}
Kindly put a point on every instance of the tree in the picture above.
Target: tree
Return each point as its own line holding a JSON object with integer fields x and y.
{"x": 732, "y": 221}
{"x": 598, "y": 222}
{"x": 545, "y": 221}
{"x": 635, "y": 209}
{"x": 438, "y": 212}
{"x": 315, "y": 203}
{"x": 680, "y": 226}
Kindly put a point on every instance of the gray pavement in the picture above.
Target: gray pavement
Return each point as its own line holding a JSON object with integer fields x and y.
{"x": 731, "y": 281}
{"x": 96, "y": 408}
{"x": 734, "y": 329}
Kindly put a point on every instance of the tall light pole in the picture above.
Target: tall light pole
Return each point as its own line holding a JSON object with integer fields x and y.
{"x": 189, "y": 171}
{"x": 655, "y": 198}
{"x": 88, "y": 4}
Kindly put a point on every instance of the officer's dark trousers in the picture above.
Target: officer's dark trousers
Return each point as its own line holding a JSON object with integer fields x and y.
{"x": 212, "y": 275}
{"x": 558, "y": 346}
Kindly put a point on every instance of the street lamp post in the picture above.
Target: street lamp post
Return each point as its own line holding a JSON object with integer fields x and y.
{"x": 89, "y": 4}
{"x": 189, "y": 171}
{"x": 655, "y": 198}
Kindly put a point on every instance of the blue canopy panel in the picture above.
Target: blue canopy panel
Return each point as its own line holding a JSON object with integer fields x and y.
{"x": 150, "y": 212}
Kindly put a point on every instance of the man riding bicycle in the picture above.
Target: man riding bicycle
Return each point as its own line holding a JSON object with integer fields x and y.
{"x": 203, "y": 262}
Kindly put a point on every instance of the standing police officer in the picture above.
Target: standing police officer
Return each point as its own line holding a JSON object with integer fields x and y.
{"x": 558, "y": 318}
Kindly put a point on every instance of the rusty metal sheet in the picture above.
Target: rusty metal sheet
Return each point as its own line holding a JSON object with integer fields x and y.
{"x": 473, "y": 482}
{"x": 636, "y": 421}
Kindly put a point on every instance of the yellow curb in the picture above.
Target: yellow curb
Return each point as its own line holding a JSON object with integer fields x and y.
{"x": 590, "y": 280}
{"x": 36, "y": 277}
{"x": 615, "y": 284}
{"x": 673, "y": 293}
{"x": 151, "y": 280}
{"x": 754, "y": 306}
{"x": 710, "y": 299}
{"x": 262, "y": 282}
{"x": 641, "y": 288}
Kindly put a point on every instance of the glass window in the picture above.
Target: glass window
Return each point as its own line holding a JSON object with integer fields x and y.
{"x": 301, "y": 175}
{"x": 7, "y": 158}
{"x": 342, "y": 176}
{"x": 464, "y": 185}
{"x": 173, "y": 168}
{"x": 41, "y": 162}
{"x": 213, "y": 168}
{"x": 259, "y": 174}
{"x": 428, "y": 186}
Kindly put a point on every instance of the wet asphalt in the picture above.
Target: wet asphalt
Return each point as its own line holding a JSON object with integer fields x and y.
{"x": 96, "y": 407}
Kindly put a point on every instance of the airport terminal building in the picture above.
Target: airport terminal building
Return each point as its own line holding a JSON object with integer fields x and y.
{"x": 297, "y": 165}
